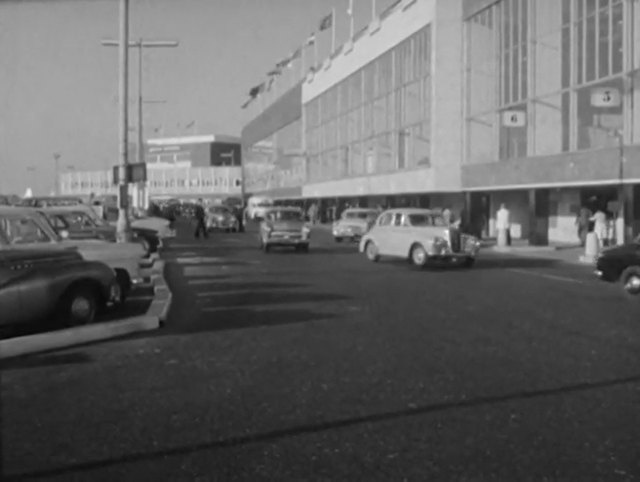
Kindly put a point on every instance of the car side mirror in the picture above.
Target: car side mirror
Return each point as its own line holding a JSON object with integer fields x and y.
{"x": 64, "y": 234}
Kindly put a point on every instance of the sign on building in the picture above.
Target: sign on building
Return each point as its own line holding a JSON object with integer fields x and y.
{"x": 605, "y": 97}
{"x": 514, "y": 118}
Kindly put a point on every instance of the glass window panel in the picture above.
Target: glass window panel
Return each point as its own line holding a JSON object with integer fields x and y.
{"x": 412, "y": 103}
{"x": 515, "y": 74}
{"x": 617, "y": 36}
{"x": 368, "y": 119}
{"x": 603, "y": 43}
{"x": 566, "y": 56}
{"x": 506, "y": 78}
{"x": 595, "y": 123}
{"x": 513, "y": 140}
{"x": 592, "y": 41}
{"x": 356, "y": 165}
{"x": 580, "y": 62}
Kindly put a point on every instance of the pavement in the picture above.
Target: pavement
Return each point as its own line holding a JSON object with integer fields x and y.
{"x": 324, "y": 366}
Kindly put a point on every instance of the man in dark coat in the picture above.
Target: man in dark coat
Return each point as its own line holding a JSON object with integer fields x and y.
{"x": 200, "y": 225}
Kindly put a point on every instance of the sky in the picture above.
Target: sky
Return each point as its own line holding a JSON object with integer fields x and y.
{"x": 59, "y": 85}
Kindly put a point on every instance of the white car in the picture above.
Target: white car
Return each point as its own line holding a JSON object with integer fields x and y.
{"x": 420, "y": 236}
{"x": 353, "y": 223}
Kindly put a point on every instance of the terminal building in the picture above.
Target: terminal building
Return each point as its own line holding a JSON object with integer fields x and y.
{"x": 181, "y": 167}
{"x": 468, "y": 104}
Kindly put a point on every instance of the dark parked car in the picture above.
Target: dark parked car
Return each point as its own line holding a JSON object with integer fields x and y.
{"x": 80, "y": 225}
{"x": 621, "y": 263}
{"x": 42, "y": 284}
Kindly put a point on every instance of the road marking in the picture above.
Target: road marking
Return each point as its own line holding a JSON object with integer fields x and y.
{"x": 547, "y": 276}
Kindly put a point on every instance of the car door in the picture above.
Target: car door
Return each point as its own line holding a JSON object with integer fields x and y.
{"x": 399, "y": 237}
{"x": 11, "y": 301}
{"x": 380, "y": 233}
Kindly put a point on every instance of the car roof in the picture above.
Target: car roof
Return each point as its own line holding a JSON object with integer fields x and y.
{"x": 283, "y": 208}
{"x": 360, "y": 210}
{"x": 83, "y": 208}
{"x": 17, "y": 210}
{"x": 430, "y": 212}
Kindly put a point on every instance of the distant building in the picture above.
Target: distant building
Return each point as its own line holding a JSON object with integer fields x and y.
{"x": 195, "y": 151}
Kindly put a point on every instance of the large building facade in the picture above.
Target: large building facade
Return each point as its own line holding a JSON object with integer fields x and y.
{"x": 470, "y": 104}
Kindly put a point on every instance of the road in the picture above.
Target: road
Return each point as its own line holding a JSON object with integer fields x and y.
{"x": 325, "y": 366}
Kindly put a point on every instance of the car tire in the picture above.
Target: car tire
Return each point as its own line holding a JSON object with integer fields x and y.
{"x": 338, "y": 239}
{"x": 371, "y": 250}
{"x": 78, "y": 306}
{"x": 468, "y": 262}
{"x": 630, "y": 279}
{"x": 419, "y": 256}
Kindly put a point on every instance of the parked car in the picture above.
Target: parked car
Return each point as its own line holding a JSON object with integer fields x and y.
{"x": 420, "y": 236}
{"x": 257, "y": 207}
{"x": 79, "y": 223}
{"x": 621, "y": 264}
{"x": 45, "y": 201}
{"x": 284, "y": 226}
{"x": 26, "y": 228}
{"x": 353, "y": 223}
{"x": 58, "y": 285}
{"x": 221, "y": 217}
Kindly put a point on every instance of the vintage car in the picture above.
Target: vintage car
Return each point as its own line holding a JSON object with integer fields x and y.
{"x": 621, "y": 263}
{"x": 353, "y": 223}
{"x": 420, "y": 236}
{"x": 221, "y": 217}
{"x": 45, "y": 201}
{"x": 57, "y": 285}
{"x": 26, "y": 228}
{"x": 284, "y": 226}
{"x": 78, "y": 223}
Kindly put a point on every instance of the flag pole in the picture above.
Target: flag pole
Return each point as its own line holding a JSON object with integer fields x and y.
{"x": 304, "y": 47}
{"x": 333, "y": 31}
{"x": 373, "y": 9}
{"x": 315, "y": 52}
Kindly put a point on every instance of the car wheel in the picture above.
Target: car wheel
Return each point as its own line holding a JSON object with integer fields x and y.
{"x": 78, "y": 306}
{"x": 338, "y": 239}
{"x": 630, "y": 279}
{"x": 468, "y": 262}
{"x": 419, "y": 256}
{"x": 371, "y": 251}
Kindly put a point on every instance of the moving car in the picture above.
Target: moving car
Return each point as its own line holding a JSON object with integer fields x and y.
{"x": 79, "y": 223}
{"x": 221, "y": 217}
{"x": 353, "y": 223}
{"x": 284, "y": 226}
{"x": 43, "y": 284}
{"x": 420, "y": 236}
{"x": 25, "y": 228}
{"x": 621, "y": 263}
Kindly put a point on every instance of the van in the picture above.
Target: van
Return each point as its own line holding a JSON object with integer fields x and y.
{"x": 257, "y": 205}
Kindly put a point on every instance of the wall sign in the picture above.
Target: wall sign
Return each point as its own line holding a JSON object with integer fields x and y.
{"x": 514, "y": 118}
{"x": 605, "y": 97}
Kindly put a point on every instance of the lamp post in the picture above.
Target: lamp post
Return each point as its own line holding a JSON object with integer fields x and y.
{"x": 124, "y": 225}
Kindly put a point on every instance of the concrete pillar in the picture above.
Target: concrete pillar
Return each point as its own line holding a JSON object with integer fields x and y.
{"x": 502, "y": 238}
{"x": 533, "y": 221}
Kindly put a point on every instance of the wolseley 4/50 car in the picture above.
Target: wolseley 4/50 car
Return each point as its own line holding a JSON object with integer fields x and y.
{"x": 78, "y": 223}
{"x": 621, "y": 263}
{"x": 221, "y": 217}
{"x": 419, "y": 235}
{"x": 25, "y": 228}
{"x": 43, "y": 284}
{"x": 353, "y": 223}
{"x": 284, "y": 226}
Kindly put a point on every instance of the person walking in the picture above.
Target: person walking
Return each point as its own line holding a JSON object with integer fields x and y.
{"x": 600, "y": 226}
{"x": 582, "y": 222}
{"x": 503, "y": 225}
{"x": 200, "y": 225}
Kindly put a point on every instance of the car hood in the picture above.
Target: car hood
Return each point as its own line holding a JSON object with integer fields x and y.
{"x": 41, "y": 255}
{"x": 624, "y": 250}
{"x": 286, "y": 225}
{"x": 106, "y": 247}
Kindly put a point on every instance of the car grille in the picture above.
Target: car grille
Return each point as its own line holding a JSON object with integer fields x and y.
{"x": 455, "y": 240}
{"x": 286, "y": 235}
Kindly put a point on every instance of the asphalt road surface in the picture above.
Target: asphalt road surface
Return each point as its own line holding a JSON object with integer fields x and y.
{"x": 324, "y": 366}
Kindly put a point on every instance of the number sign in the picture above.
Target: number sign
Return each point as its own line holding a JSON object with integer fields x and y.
{"x": 605, "y": 97}
{"x": 514, "y": 118}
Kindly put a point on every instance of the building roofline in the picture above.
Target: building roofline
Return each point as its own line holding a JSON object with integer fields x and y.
{"x": 173, "y": 141}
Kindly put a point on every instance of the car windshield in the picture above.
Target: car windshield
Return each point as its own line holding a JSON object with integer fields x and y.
{"x": 23, "y": 230}
{"x": 78, "y": 220}
{"x": 218, "y": 210}
{"x": 421, "y": 220}
{"x": 285, "y": 216}
{"x": 264, "y": 204}
{"x": 358, "y": 215}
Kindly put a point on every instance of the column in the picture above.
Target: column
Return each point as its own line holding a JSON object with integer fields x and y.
{"x": 533, "y": 221}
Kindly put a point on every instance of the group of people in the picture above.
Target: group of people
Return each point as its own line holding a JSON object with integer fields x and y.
{"x": 598, "y": 222}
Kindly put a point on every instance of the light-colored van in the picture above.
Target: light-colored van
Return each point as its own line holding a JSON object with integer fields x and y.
{"x": 257, "y": 205}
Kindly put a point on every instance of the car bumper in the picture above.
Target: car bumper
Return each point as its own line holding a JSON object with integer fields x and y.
{"x": 286, "y": 241}
{"x": 451, "y": 258}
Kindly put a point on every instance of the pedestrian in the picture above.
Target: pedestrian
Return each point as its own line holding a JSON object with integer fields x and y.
{"x": 582, "y": 222}
{"x": 239, "y": 212}
{"x": 600, "y": 226}
{"x": 447, "y": 216}
{"x": 200, "y": 225}
{"x": 503, "y": 223}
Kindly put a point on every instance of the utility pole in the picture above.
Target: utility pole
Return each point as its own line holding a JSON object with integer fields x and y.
{"x": 124, "y": 225}
{"x": 56, "y": 181}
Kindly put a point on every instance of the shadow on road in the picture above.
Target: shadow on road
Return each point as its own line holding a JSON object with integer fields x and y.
{"x": 51, "y": 359}
{"x": 514, "y": 262}
{"x": 271, "y": 437}
{"x": 227, "y": 319}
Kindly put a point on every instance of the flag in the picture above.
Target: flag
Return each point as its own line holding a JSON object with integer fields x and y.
{"x": 326, "y": 22}
{"x": 275, "y": 72}
{"x": 296, "y": 54}
{"x": 311, "y": 40}
{"x": 283, "y": 63}
{"x": 255, "y": 91}
{"x": 271, "y": 81}
{"x": 246, "y": 104}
